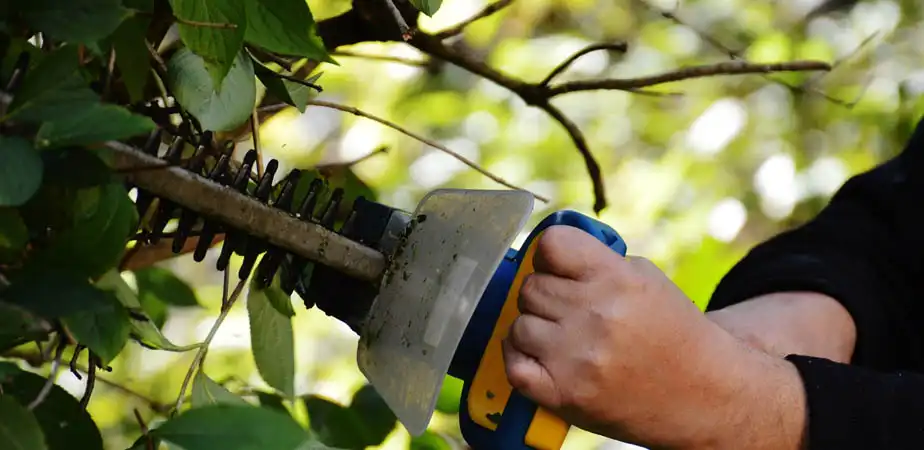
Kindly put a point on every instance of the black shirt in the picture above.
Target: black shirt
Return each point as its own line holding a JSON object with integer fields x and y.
{"x": 865, "y": 249}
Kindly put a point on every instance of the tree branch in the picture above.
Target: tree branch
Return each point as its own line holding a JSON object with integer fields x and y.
{"x": 737, "y": 55}
{"x": 617, "y": 46}
{"x": 360, "y": 25}
{"x": 722, "y": 68}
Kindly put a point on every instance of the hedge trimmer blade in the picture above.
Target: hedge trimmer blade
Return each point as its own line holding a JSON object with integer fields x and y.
{"x": 433, "y": 283}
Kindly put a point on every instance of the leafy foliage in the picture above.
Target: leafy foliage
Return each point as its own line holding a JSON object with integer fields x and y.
{"x": 78, "y": 75}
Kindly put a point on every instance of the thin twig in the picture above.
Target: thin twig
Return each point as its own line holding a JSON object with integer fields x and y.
{"x": 74, "y": 359}
{"x": 593, "y": 169}
{"x": 149, "y": 443}
{"x": 460, "y": 27}
{"x": 94, "y": 362}
{"x": 272, "y": 57}
{"x": 52, "y": 376}
{"x": 685, "y": 73}
{"x": 737, "y": 55}
{"x": 160, "y": 66}
{"x": 110, "y": 69}
{"x": 396, "y": 127}
{"x": 300, "y": 81}
{"x": 394, "y": 59}
{"x": 255, "y": 136}
{"x": 334, "y": 165}
{"x": 616, "y": 46}
{"x": 196, "y": 23}
{"x": 154, "y": 405}
{"x": 227, "y": 303}
{"x": 403, "y": 27}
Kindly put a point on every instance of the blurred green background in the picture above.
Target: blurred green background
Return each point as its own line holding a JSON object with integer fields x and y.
{"x": 693, "y": 181}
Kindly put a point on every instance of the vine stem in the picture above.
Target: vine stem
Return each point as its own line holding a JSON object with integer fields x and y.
{"x": 226, "y": 305}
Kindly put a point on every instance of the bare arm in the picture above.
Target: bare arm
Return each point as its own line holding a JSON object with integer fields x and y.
{"x": 784, "y": 323}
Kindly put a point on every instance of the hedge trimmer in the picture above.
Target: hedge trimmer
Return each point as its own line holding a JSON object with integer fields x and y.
{"x": 431, "y": 292}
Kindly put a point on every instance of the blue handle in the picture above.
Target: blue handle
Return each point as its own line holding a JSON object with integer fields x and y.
{"x": 519, "y": 411}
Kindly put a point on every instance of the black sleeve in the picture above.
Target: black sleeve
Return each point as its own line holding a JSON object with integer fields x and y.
{"x": 866, "y": 250}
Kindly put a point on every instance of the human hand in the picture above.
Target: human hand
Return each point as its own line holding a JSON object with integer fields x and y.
{"x": 612, "y": 346}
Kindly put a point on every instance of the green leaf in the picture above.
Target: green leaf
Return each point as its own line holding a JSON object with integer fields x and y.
{"x": 132, "y": 57}
{"x": 450, "y": 395}
{"x": 143, "y": 329}
{"x": 233, "y": 427}
{"x": 75, "y": 167}
{"x": 163, "y": 286}
{"x": 19, "y": 429}
{"x": 218, "y": 46}
{"x": 336, "y": 425}
{"x": 428, "y": 7}
{"x": 56, "y": 70}
{"x": 105, "y": 219}
{"x": 18, "y": 325}
{"x": 65, "y": 424}
{"x": 271, "y": 340}
{"x": 429, "y": 441}
{"x": 287, "y": 27}
{"x": 13, "y": 235}
{"x": 378, "y": 418}
{"x": 53, "y": 293}
{"x": 220, "y": 109}
{"x": 206, "y": 391}
{"x": 76, "y": 21}
{"x": 290, "y": 92}
{"x": 97, "y": 123}
{"x": 104, "y": 331}
{"x": 20, "y": 171}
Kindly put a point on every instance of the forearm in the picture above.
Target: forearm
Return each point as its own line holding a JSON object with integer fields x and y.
{"x": 784, "y": 323}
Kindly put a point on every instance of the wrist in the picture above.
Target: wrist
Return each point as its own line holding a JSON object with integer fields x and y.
{"x": 765, "y": 407}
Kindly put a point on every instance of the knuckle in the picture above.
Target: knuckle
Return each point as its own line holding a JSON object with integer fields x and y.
{"x": 550, "y": 246}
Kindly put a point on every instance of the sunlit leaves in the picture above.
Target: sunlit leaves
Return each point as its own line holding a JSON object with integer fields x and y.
{"x": 286, "y": 27}
{"x": 221, "y": 109}
{"x": 428, "y": 7}
{"x": 271, "y": 339}
{"x": 205, "y": 391}
{"x": 77, "y": 21}
{"x": 20, "y": 171}
{"x": 214, "y": 31}
{"x": 65, "y": 424}
{"x": 19, "y": 429}
{"x": 233, "y": 427}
